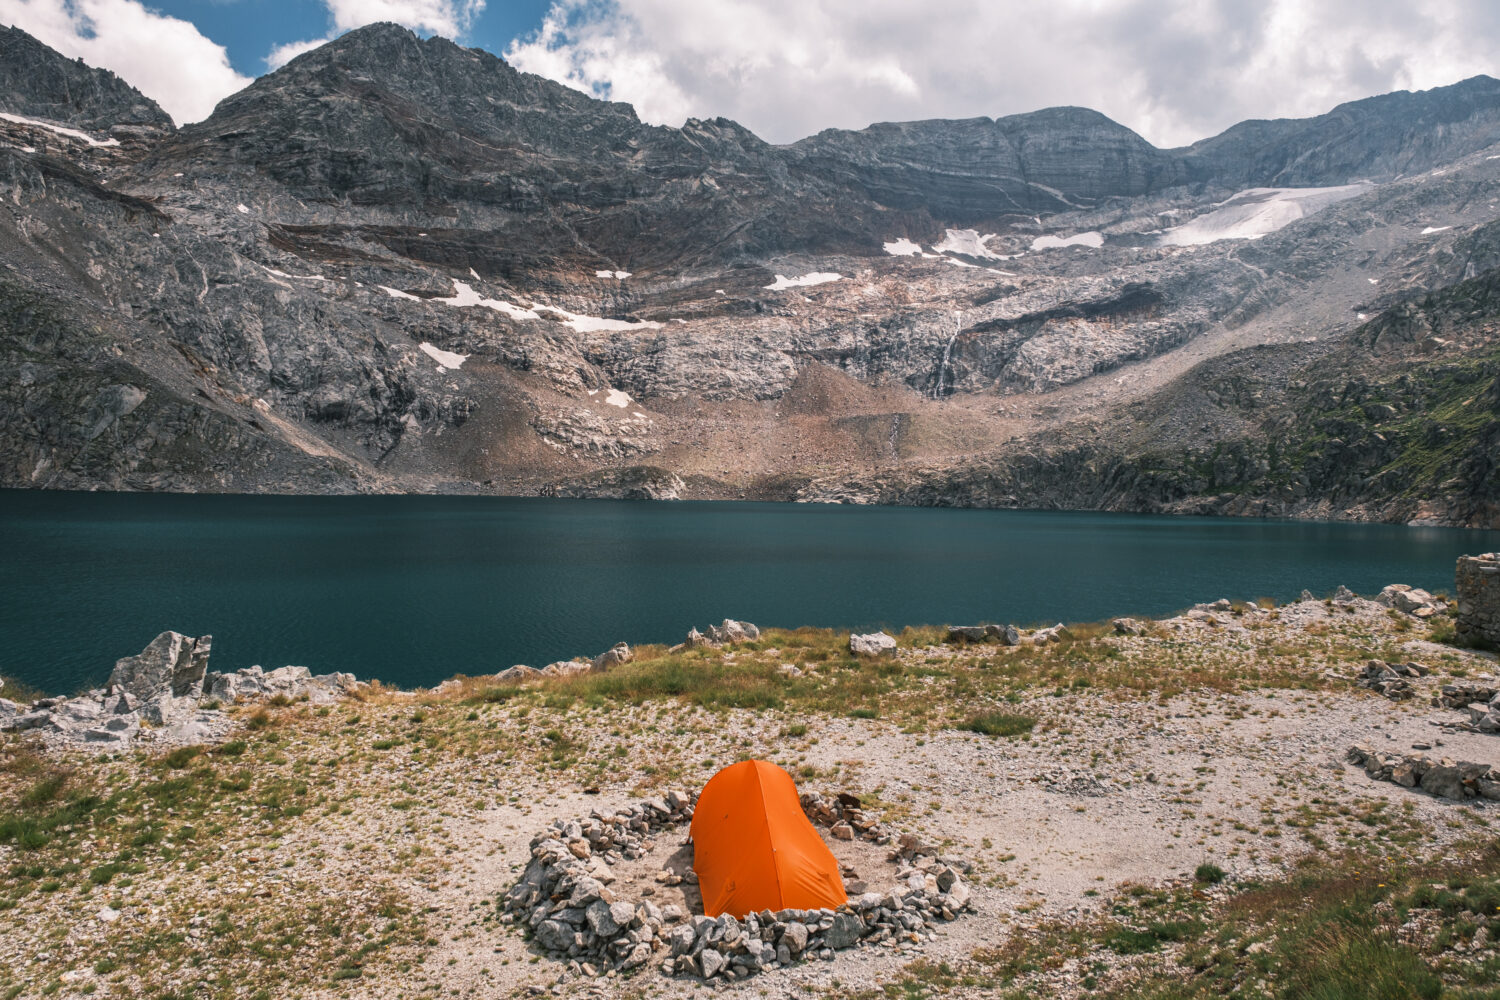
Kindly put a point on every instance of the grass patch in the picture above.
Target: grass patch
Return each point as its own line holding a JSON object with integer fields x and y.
{"x": 1000, "y": 724}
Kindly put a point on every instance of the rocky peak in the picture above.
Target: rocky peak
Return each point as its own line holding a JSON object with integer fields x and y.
{"x": 39, "y": 82}
{"x": 1377, "y": 138}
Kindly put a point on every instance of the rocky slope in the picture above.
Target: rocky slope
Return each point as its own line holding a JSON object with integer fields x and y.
{"x": 398, "y": 264}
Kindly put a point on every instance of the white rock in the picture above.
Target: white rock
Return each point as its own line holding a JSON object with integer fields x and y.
{"x": 872, "y": 644}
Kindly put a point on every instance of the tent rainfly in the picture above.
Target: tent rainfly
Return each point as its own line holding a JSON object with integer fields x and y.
{"x": 754, "y": 848}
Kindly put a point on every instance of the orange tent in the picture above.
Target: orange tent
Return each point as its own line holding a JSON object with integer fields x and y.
{"x": 754, "y": 849}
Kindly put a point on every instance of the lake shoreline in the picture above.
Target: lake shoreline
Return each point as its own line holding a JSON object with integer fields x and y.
{"x": 1406, "y": 512}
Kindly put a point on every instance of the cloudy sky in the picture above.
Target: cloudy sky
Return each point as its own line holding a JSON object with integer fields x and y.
{"x": 1173, "y": 70}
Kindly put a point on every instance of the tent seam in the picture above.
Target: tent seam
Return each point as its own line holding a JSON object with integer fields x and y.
{"x": 770, "y": 839}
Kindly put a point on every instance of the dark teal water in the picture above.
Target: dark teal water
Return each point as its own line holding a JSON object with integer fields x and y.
{"x": 415, "y": 589}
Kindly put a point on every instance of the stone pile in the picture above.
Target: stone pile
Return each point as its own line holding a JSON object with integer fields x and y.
{"x": 564, "y": 900}
{"x": 1392, "y": 680}
{"x": 845, "y": 818}
{"x": 164, "y": 687}
{"x": 1462, "y": 695}
{"x": 1478, "y": 586}
{"x": 1412, "y": 600}
{"x": 728, "y": 631}
{"x": 1445, "y": 778}
{"x": 1007, "y": 635}
{"x": 1480, "y": 702}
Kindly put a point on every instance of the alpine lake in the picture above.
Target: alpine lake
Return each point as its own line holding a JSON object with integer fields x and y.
{"x": 415, "y": 589}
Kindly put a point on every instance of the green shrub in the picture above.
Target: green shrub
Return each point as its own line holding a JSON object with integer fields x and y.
{"x": 1000, "y": 724}
{"x": 179, "y": 758}
{"x": 1209, "y": 873}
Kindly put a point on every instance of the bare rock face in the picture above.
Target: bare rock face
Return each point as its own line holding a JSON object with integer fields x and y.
{"x": 165, "y": 678}
{"x": 399, "y": 264}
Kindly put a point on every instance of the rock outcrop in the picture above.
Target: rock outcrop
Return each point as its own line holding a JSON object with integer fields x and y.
{"x": 287, "y": 683}
{"x": 167, "y": 689}
{"x": 166, "y": 678}
{"x": 1478, "y": 585}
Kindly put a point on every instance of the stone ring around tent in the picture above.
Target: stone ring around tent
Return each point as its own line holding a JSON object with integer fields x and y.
{"x": 564, "y": 905}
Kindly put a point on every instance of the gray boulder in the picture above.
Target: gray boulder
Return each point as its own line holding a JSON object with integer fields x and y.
{"x": 873, "y": 644}
{"x": 712, "y": 962}
{"x": 616, "y": 655}
{"x": 1444, "y": 781}
{"x": 795, "y": 937}
{"x": 166, "y": 677}
{"x": 847, "y": 928}
{"x": 733, "y": 631}
{"x": 554, "y": 935}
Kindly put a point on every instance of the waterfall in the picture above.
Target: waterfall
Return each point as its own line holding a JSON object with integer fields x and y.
{"x": 943, "y": 366}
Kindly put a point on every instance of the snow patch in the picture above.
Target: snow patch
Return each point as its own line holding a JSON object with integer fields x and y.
{"x": 397, "y": 293}
{"x": 967, "y": 242}
{"x": 597, "y": 324}
{"x": 1361, "y": 317}
{"x": 296, "y": 277}
{"x": 71, "y": 133}
{"x": 617, "y": 398}
{"x": 618, "y": 275}
{"x": 1256, "y": 212}
{"x": 1091, "y": 239}
{"x": 1493, "y": 157}
{"x": 242, "y": 209}
{"x": 445, "y": 358}
{"x": 1373, "y": 281}
{"x": 816, "y": 278}
{"x": 959, "y": 263}
{"x": 902, "y": 248}
{"x": 464, "y": 296}
{"x": 1435, "y": 229}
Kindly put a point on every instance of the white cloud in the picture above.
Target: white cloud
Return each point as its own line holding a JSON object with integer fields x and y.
{"x": 165, "y": 58}
{"x": 449, "y": 18}
{"x": 1174, "y": 70}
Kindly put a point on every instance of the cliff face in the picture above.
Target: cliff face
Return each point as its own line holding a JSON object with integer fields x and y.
{"x": 401, "y": 264}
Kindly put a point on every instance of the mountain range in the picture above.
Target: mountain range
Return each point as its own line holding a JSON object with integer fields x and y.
{"x": 397, "y": 264}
